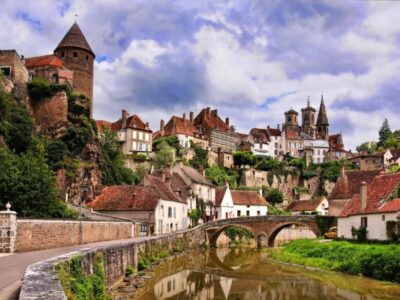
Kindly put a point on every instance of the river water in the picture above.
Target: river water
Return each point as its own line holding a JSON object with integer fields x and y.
{"x": 244, "y": 273}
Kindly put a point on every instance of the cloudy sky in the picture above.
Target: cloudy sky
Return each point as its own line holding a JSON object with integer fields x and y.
{"x": 250, "y": 59}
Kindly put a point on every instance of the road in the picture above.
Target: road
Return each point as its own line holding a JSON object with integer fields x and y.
{"x": 12, "y": 267}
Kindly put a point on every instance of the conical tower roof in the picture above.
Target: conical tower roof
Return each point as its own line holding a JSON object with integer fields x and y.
{"x": 322, "y": 116}
{"x": 74, "y": 38}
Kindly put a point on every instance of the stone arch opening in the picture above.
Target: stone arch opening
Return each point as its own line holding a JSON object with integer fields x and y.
{"x": 271, "y": 239}
{"x": 262, "y": 240}
{"x": 213, "y": 234}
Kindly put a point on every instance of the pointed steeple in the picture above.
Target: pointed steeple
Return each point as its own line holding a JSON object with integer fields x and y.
{"x": 74, "y": 38}
{"x": 322, "y": 116}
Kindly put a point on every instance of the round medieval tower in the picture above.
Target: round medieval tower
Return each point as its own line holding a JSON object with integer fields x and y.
{"x": 77, "y": 56}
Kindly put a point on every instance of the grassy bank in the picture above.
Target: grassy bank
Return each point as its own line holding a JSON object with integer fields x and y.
{"x": 380, "y": 262}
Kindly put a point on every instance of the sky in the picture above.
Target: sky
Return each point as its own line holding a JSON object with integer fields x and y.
{"x": 250, "y": 59}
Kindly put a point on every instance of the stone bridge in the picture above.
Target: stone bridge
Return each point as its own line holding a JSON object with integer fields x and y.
{"x": 264, "y": 228}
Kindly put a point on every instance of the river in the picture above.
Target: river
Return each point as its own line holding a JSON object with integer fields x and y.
{"x": 244, "y": 273}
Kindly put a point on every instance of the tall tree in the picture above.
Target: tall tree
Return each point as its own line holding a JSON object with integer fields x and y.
{"x": 384, "y": 132}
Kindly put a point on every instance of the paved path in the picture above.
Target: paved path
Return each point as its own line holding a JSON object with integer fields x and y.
{"x": 12, "y": 267}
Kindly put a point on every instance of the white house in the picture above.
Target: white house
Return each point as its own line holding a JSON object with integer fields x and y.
{"x": 391, "y": 157}
{"x": 319, "y": 149}
{"x": 318, "y": 206}
{"x": 234, "y": 204}
{"x": 372, "y": 208}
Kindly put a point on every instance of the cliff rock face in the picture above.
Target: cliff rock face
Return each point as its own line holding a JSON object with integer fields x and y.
{"x": 6, "y": 85}
{"x": 287, "y": 185}
{"x": 86, "y": 175}
{"x": 51, "y": 115}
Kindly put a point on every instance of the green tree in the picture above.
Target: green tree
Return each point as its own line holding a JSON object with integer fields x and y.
{"x": 165, "y": 155}
{"x": 369, "y": 147}
{"x": 112, "y": 163}
{"x": 200, "y": 159}
{"x": 243, "y": 158}
{"x": 384, "y": 132}
{"x": 172, "y": 141}
{"x": 391, "y": 142}
{"x": 219, "y": 176}
{"x": 273, "y": 196}
{"x": 56, "y": 152}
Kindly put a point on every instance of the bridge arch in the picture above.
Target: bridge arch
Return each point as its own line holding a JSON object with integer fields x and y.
{"x": 214, "y": 233}
{"x": 275, "y": 231}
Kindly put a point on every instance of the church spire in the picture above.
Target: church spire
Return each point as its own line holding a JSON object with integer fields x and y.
{"x": 322, "y": 116}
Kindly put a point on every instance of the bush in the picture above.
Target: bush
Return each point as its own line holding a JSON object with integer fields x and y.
{"x": 273, "y": 196}
{"x": 139, "y": 157}
{"x": 360, "y": 233}
{"x": 56, "y": 152}
{"x": 129, "y": 271}
{"x": 219, "y": 176}
{"x": 325, "y": 223}
{"x": 40, "y": 88}
{"x": 143, "y": 263}
{"x": 244, "y": 158}
{"x": 200, "y": 159}
{"x": 241, "y": 233}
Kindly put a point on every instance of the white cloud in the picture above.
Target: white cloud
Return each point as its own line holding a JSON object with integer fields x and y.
{"x": 145, "y": 52}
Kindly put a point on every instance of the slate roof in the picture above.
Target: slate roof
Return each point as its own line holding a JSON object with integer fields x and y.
{"x": 44, "y": 60}
{"x": 377, "y": 192}
{"x": 349, "y": 185}
{"x": 305, "y": 205}
{"x": 74, "y": 38}
{"x": 395, "y": 153}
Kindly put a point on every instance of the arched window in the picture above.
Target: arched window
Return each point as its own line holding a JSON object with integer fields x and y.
{"x": 54, "y": 79}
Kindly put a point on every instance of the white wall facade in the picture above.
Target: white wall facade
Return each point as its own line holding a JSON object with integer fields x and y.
{"x": 250, "y": 210}
{"x": 261, "y": 149}
{"x": 276, "y": 146}
{"x": 376, "y": 225}
{"x": 226, "y": 208}
{"x": 170, "y": 216}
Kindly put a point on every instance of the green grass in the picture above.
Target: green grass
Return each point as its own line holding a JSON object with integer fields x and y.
{"x": 380, "y": 262}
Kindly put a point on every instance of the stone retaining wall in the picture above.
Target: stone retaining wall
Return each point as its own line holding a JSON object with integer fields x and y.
{"x": 41, "y": 280}
{"x": 45, "y": 234}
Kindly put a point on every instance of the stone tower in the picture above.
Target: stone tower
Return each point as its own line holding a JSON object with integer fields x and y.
{"x": 291, "y": 122}
{"x": 308, "y": 119}
{"x": 322, "y": 122}
{"x": 76, "y": 54}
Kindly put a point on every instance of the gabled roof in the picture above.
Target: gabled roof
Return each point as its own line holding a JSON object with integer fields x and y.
{"x": 305, "y": 205}
{"x": 274, "y": 132}
{"x": 219, "y": 195}
{"x": 189, "y": 174}
{"x": 180, "y": 125}
{"x": 134, "y": 122}
{"x": 211, "y": 120}
{"x": 248, "y": 198}
{"x": 260, "y": 135}
{"x": 74, "y": 38}
{"x": 377, "y": 192}
{"x": 163, "y": 189}
{"x": 44, "y": 60}
{"x": 350, "y": 184}
{"x": 396, "y": 155}
{"x": 101, "y": 123}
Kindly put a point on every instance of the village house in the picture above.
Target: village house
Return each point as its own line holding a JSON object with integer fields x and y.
{"x": 234, "y": 203}
{"x": 183, "y": 128}
{"x": 293, "y": 143}
{"x": 276, "y": 144}
{"x": 391, "y": 157}
{"x": 134, "y": 135}
{"x": 152, "y": 202}
{"x": 318, "y": 149}
{"x": 372, "y": 208}
{"x": 318, "y": 206}
{"x": 368, "y": 161}
{"x": 347, "y": 185}
{"x": 336, "y": 148}
{"x": 194, "y": 188}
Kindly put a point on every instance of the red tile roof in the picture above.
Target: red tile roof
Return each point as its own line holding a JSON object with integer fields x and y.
{"x": 349, "y": 185}
{"x": 248, "y": 198}
{"x": 336, "y": 143}
{"x": 210, "y": 121}
{"x": 305, "y": 205}
{"x": 219, "y": 195}
{"x": 101, "y": 123}
{"x": 391, "y": 206}
{"x": 260, "y": 135}
{"x": 178, "y": 125}
{"x": 274, "y": 132}
{"x": 290, "y": 134}
{"x": 377, "y": 192}
{"x": 133, "y": 122}
{"x": 44, "y": 60}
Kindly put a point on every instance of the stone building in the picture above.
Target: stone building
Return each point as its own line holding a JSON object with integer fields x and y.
{"x": 134, "y": 135}
{"x": 367, "y": 161}
{"x": 183, "y": 128}
{"x": 220, "y": 134}
{"x": 336, "y": 148}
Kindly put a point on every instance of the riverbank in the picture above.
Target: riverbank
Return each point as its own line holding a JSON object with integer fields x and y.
{"x": 375, "y": 261}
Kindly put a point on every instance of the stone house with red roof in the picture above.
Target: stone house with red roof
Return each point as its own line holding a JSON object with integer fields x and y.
{"x": 152, "y": 202}
{"x": 317, "y": 206}
{"x": 336, "y": 148}
{"x": 236, "y": 203}
{"x": 183, "y": 128}
{"x": 391, "y": 157}
{"x": 368, "y": 161}
{"x": 135, "y": 136}
{"x": 347, "y": 185}
{"x": 372, "y": 207}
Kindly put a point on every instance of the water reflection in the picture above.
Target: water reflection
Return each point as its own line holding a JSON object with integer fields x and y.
{"x": 248, "y": 274}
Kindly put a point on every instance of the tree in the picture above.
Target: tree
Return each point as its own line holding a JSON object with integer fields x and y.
{"x": 244, "y": 158}
{"x": 384, "y": 132}
{"x": 165, "y": 156}
{"x": 172, "y": 141}
{"x": 219, "y": 176}
{"x": 369, "y": 147}
{"x": 273, "y": 196}
{"x": 200, "y": 158}
{"x": 391, "y": 142}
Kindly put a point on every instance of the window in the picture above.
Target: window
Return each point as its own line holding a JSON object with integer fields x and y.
{"x": 140, "y": 136}
{"x": 87, "y": 57}
{"x": 238, "y": 213}
{"x": 216, "y": 215}
{"x": 162, "y": 210}
{"x": 174, "y": 212}
{"x": 247, "y": 213}
{"x": 258, "y": 213}
{"x": 134, "y": 134}
{"x": 364, "y": 222}
{"x": 140, "y": 147}
{"x": 383, "y": 217}
{"x": 143, "y": 230}
{"x": 62, "y": 54}
{"x": 226, "y": 215}
{"x": 169, "y": 212}
{"x": 54, "y": 79}
{"x": 75, "y": 54}
{"x": 6, "y": 71}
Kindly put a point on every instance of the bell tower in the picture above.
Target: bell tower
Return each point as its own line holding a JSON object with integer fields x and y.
{"x": 291, "y": 121}
{"x": 76, "y": 54}
{"x": 322, "y": 122}
{"x": 308, "y": 119}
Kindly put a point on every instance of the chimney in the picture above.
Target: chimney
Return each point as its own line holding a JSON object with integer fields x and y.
{"x": 124, "y": 118}
{"x": 267, "y": 126}
{"x": 363, "y": 195}
{"x": 167, "y": 179}
{"x": 277, "y": 126}
{"x": 227, "y": 121}
{"x": 208, "y": 111}
{"x": 147, "y": 125}
{"x": 191, "y": 116}
{"x": 215, "y": 112}
{"x": 162, "y": 124}
{"x": 23, "y": 59}
{"x": 342, "y": 172}
{"x": 184, "y": 117}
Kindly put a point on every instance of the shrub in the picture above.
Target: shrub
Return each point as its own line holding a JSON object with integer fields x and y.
{"x": 219, "y": 176}
{"x": 143, "y": 263}
{"x": 273, "y": 196}
{"x": 244, "y": 158}
{"x": 360, "y": 233}
{"x": 325, "y": 222}
{"x": 56, "y": 152}
{"x": 129, "y": 271}
{"x": 139, "y": 157}
{"x": 40, "y": 88}
{"x": 200, "y": 159}
{"x": 393, "y": 230}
